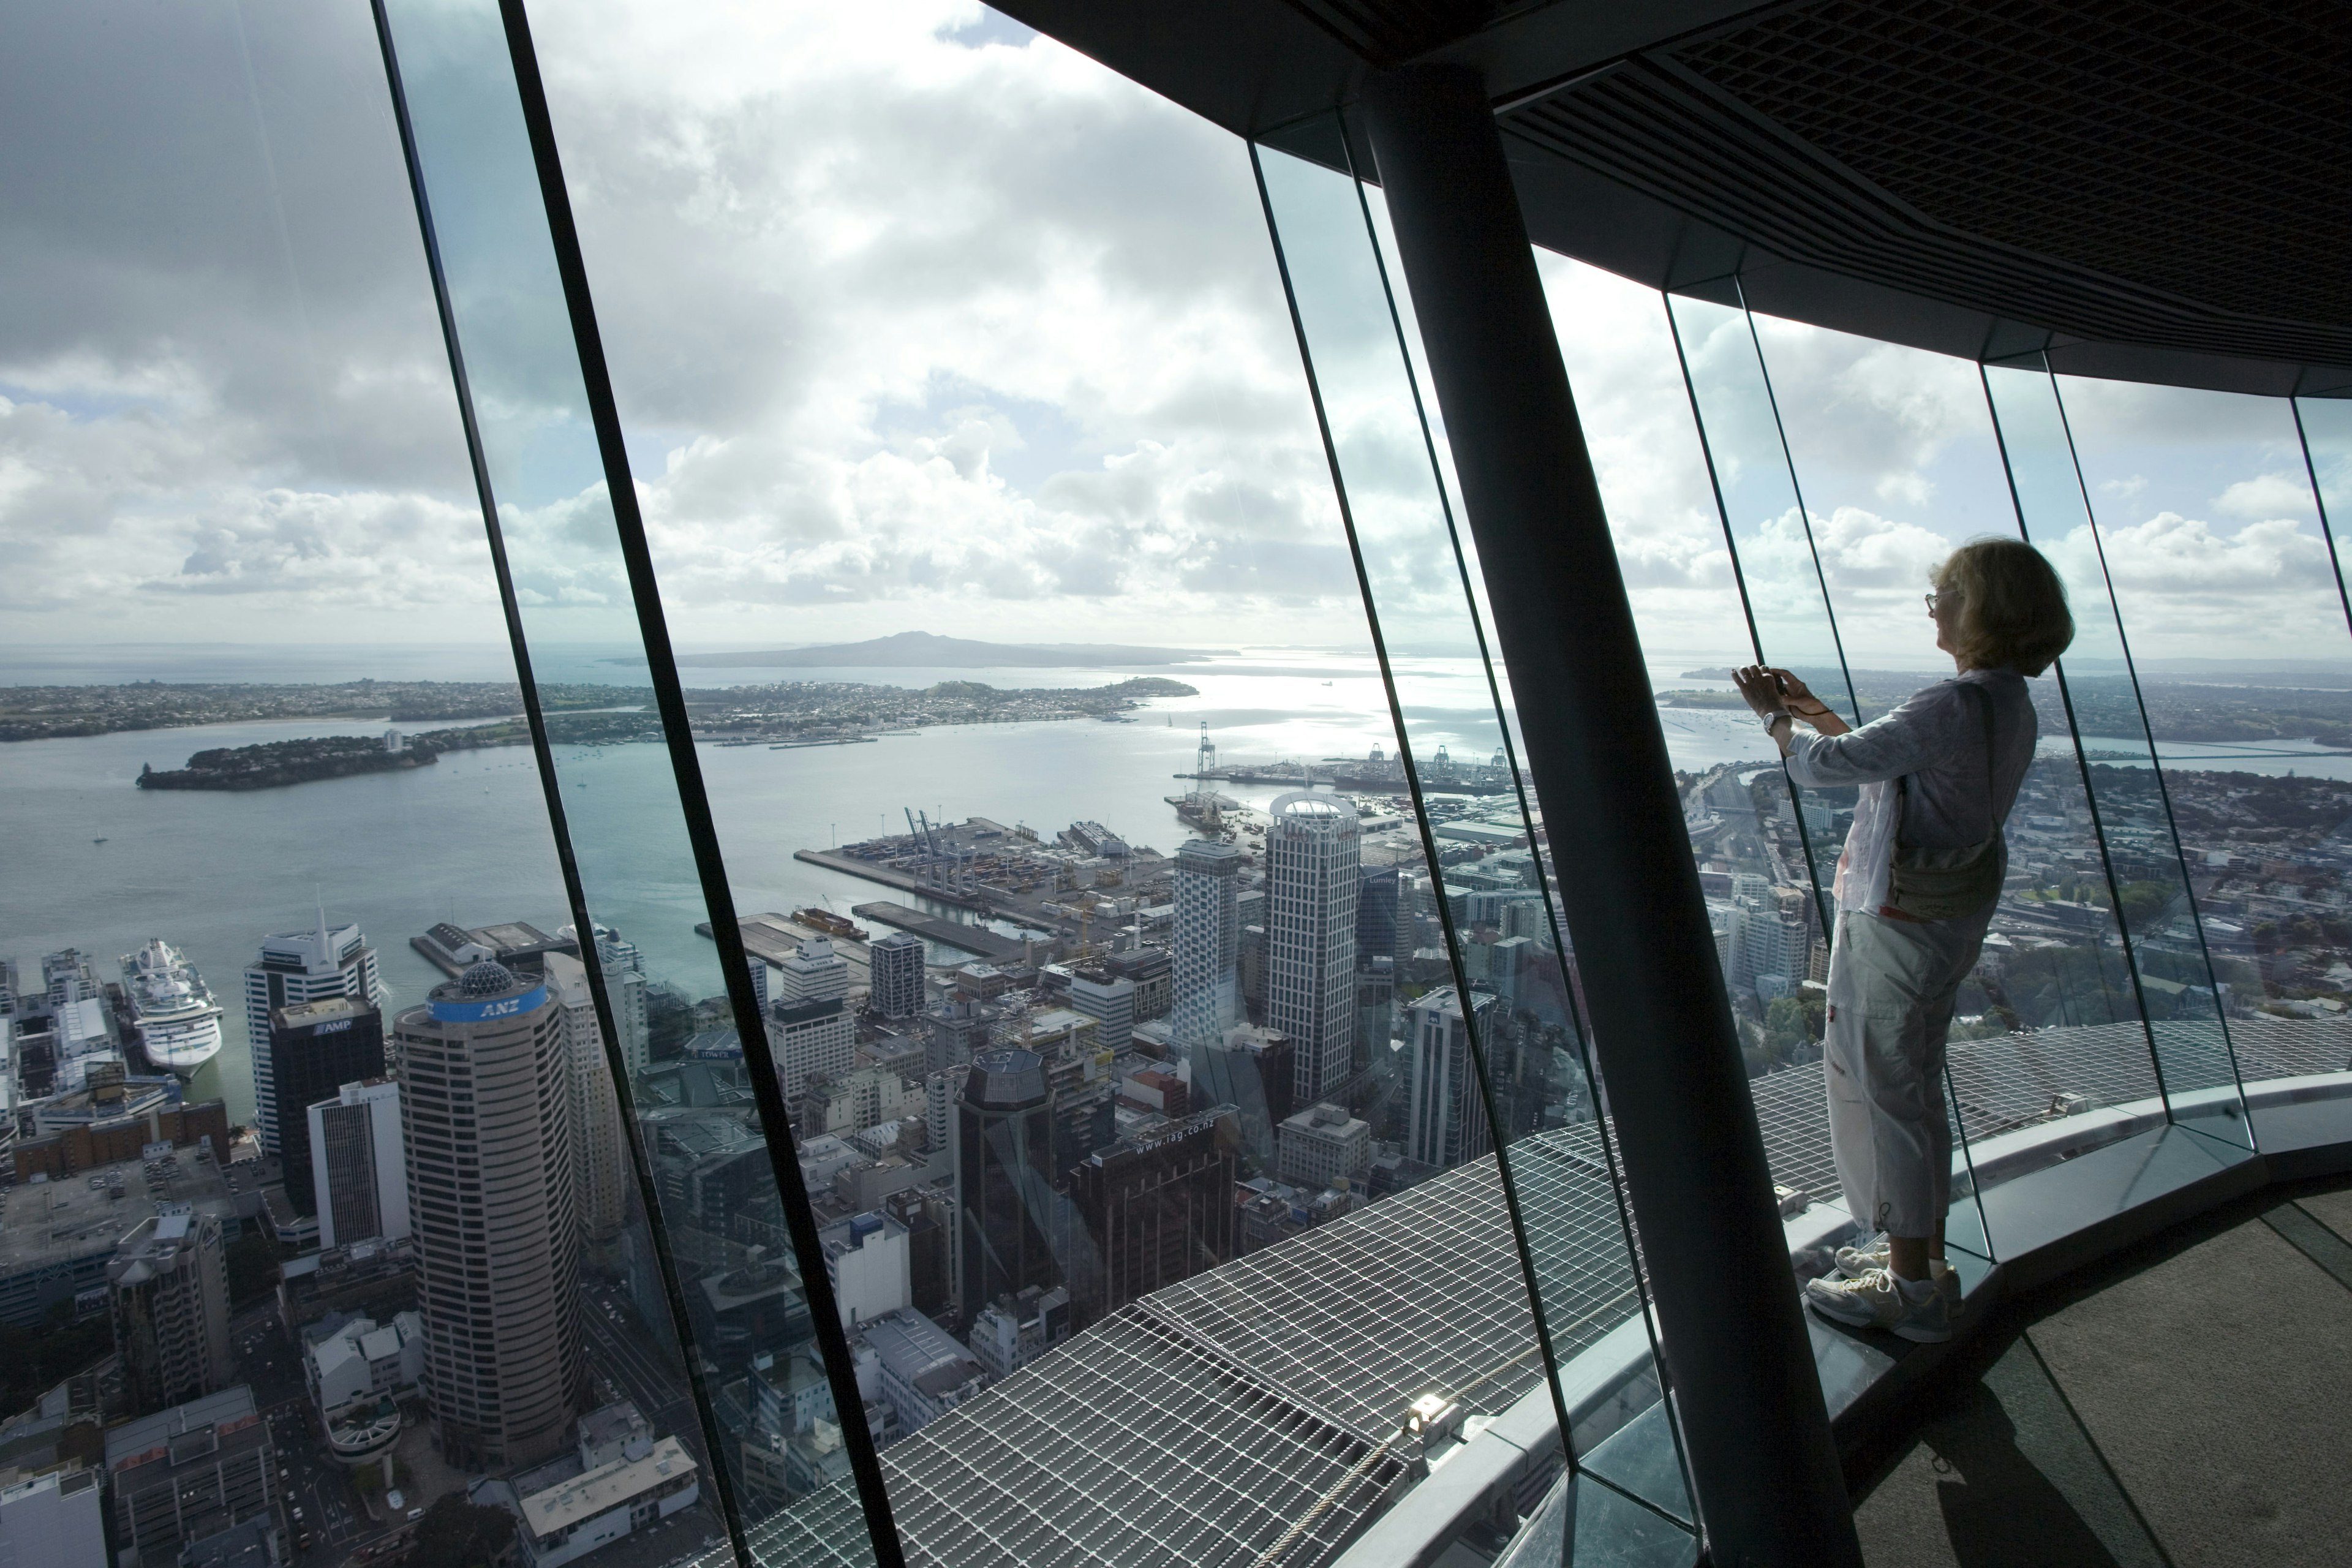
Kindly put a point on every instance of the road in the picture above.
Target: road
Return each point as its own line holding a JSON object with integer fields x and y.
{"x": 309, "y": 1480}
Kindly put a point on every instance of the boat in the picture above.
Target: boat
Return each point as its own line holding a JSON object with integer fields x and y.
{"x": 832, "y": 924}
{"x": 178, "y": 1021}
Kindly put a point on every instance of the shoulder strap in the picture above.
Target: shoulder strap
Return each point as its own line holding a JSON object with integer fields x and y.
{"x": 1984, "y": 711}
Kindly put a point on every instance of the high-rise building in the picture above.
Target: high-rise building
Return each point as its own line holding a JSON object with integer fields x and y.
{"x": 810, "y": 1041}
{"x": 1109, "y": 1000}
{"x": 296, "y": 967}
{"x": 1376, "y": 915}
{"x": 955, "y": 1031}
{"x": 596, "y": 1131}
{"x": 359, "y": 1169}
{"x": 1008, "y": 1211}
{"x": 812, "y": 972}
{"x": 1204, "y": 997}
{"x": 315, "y": 1048}
{"x": 1251, "y": 1069}
{"x": 485, "y": 1112}
{"x": 168, "y": 1290}
{"x": 1447, "y": 1120}
{"x": 1323, "y": 1144}
{"x": 1312, "y": 886}
{"x": 1155, "y": 1208}
{"x": 623, "y": 969}
{"x": 896, "y": 966}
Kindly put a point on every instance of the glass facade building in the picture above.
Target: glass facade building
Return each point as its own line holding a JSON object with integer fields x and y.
{"x": 1003, "y": 835}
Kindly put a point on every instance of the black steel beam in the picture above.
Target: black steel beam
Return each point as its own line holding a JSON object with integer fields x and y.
{"x": 1737, "y": 1356}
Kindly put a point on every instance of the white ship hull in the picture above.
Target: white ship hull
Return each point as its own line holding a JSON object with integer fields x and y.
{"x": 181, "y": 1049}
{"x": 179, "y": 1024}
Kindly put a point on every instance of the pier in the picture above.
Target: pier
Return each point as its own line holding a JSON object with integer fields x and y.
{"x": 948, "y": 934}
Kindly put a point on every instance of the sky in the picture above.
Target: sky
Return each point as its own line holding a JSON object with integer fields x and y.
{"x": 916, "y": 321}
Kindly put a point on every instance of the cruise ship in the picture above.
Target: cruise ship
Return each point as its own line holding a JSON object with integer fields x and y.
{"x": 179, "y": 1023}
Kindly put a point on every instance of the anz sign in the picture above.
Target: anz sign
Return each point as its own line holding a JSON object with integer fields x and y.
{"x": 529, "y": 1001}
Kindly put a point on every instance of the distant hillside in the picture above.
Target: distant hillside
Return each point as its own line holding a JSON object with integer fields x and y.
{"x": 924, "y": 651}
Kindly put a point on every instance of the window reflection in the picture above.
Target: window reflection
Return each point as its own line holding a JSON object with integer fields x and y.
{"x": 296, "y": 1028}
{"x": 2206, "y": 509}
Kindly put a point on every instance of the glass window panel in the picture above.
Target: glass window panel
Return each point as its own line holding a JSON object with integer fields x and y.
{"x": 1487, "y": 880}
{"x": 2223, "y": 576}
{"x": 268, "y": 783}
{"x": 723, "y": 1248}
{"x": 1778, "y": 844}
{"x": 1032, "y": 507}
{"x": 2171, "y": 982}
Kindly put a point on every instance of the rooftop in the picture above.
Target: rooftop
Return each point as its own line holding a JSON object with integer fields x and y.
{"x": 46, "y": 1223}
{"x": 605, "y": 1487}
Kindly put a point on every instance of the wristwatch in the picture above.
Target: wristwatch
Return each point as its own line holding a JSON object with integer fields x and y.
{"x": 1775, "y": 716}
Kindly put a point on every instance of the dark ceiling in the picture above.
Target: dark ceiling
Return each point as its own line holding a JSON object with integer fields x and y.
{"x": 2150, "y": 191}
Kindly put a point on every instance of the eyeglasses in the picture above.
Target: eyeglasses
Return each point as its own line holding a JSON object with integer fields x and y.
{"x": 1932, "y": 600}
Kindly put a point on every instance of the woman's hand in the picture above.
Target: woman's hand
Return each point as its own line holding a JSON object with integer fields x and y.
{"x": 1795, "y": 694}
{"x": 1761, "y": 687}
{"x": 1799, "y": 698}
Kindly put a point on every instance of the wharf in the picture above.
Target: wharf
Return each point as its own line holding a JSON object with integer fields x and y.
{"x": 930, "y": 928}
{"x": 888, "y": 876}
{"x": 772, "y": 937}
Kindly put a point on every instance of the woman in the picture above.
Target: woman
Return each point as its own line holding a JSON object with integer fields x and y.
{"x": 1916, "y": 883}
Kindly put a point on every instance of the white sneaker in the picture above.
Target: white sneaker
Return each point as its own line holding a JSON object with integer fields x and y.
{"x": 1852, "y": 1262}
{"x": 1874, "y": 1300}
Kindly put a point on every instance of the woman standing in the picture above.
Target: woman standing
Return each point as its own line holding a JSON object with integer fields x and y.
{"x": 1916, "y": 884}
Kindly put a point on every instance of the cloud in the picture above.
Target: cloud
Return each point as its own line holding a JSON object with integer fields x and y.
{"x": 2267, "y": 496}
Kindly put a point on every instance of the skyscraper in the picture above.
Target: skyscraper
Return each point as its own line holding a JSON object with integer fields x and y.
{"x": 1312, "y": 888}
{"x": 597, "y": 1133}
{"x": 1109, "y": 1000}
{"x": 896, "y": 965}
{"x": 1007, "y": 1207}
{"x": 296, "y": 967}
{"x": 168, "y": 1289}
{"x": 1447, "y": 1120}
{"x": 1156, "y": 1208}
{"x": 1206, "y": 995}
{"x": 315, "y": 1048}
{"x": 486, "y": 1079}
{"x": 359, "y": 1174}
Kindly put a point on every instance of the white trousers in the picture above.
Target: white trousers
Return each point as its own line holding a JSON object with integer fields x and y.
{"x": 1890, "y": 988}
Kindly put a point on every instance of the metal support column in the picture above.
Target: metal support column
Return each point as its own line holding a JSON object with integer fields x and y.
{"x": 1737, "y": 1352}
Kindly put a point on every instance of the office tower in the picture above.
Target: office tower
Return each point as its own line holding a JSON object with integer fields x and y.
{"x": 812, "y": 972}
{"x": 1004, "y": 1179}
{"x": 1312, "y": 886}
{"x": 1252, "y": 1071}
{"x": 597, "y": 1146}
{"x": 485, "y": 1081}
{"x": 1154, "y": 1209}
{"x": 1109, "y": 1000}
{"x": 1204, "y": 996}
{"x": 811, "y": 1040}
{"x": 167, "y": 1288}
{"x": 296, "y": 967}
{"x": 1375, "y": 1008}
{"x": 896, "y": 966}
{"x": 1445, "y": 1113}
{"x": 315, "y": 1048}
{"x": 955, "y": 1031}
{"x": 359, "y": 1168}
{"x": 1153, "y": 970}
{"x": 1323, "y": 1144}
{"x": 189, "y": 1472}
{"x": 1376, "y": 915}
